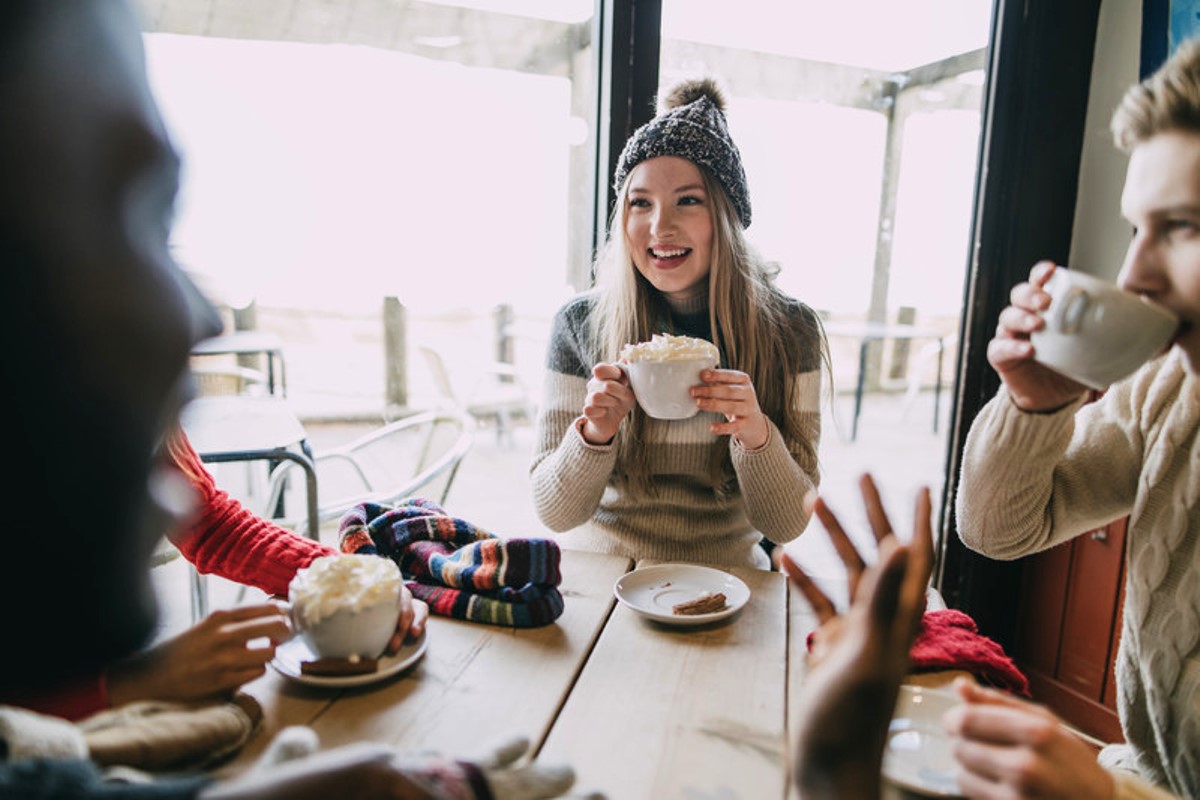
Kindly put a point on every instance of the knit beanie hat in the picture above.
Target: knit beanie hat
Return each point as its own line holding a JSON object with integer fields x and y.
{"x": 692, "y": 126}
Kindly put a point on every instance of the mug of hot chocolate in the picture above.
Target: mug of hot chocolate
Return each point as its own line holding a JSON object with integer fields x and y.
{"x": 663, "y": 371}
{"x": 345, "y": 606}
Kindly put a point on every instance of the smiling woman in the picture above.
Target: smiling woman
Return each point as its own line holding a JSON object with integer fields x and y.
{"x": 710, "y": 487}
{"x": 668, "y": 225}
{"x": 351, "y": 120}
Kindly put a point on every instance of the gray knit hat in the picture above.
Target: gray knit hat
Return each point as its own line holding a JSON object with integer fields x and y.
{"x": 692, "y": 126}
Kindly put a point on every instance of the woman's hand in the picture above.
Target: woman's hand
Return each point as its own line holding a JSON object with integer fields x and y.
{"x": 1011, "y": 748}
{"x": 849, "y": 693}
{"x": 411, "y": 623}
{"x": 730, "y": 392}
{"x": 1032, "y": 386}
{"x": 609, "y": 400}
{"x": 208, "y": 661}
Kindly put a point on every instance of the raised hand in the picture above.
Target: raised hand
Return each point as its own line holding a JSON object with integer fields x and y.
{"x": 921, "y": 555}
{"x": 1032, "y": 386}
{"x": 850, "y": 691}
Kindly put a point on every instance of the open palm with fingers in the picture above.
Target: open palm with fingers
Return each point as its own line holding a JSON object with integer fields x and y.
{"x": 851, "y": 688}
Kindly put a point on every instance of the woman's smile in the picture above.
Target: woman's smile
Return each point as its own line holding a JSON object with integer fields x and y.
{"x": 668, "y": 224}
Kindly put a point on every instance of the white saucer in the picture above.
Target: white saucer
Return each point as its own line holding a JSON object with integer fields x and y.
{"x": 918, "y": 755}
{"x": 652, "y": 591}
{"x": 289, "y": 655}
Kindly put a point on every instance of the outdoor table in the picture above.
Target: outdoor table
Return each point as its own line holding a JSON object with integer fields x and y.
{"x": 225, "y": 429}
{"x": 867, "y": 332}
{"x": 249, "y": 343}
{"x": 640, "y": 710}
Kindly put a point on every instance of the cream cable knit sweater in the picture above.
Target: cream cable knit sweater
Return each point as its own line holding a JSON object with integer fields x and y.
{"x": 1031, "y": 481}
{"x": 689, "y": 520}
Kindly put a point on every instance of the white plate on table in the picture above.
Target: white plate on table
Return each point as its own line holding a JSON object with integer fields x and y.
{"x": 289, "y": 655}
{"x": 652, "y": 591}
{"x": 918, "y": 755}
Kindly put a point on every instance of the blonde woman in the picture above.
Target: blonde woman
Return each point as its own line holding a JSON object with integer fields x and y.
{"x": 716, "y": 486}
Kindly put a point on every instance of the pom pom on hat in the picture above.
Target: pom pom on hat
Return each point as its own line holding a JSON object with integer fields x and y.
{"x": 691, "y": 125}
{"x": 690, "y": 91}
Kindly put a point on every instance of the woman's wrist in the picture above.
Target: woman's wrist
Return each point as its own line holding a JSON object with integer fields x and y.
{"x": 594, "y": 439}
{"x": 758, "y": 441}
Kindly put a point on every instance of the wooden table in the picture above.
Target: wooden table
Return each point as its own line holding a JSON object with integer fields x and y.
{"x": 639, "y": 710}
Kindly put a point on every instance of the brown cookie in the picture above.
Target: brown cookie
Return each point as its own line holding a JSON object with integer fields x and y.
{"x": 704, "y": 604}
{"x": 335, "y": 667}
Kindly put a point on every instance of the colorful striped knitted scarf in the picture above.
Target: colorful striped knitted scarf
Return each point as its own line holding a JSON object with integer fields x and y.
{"x": 457, "y": 568}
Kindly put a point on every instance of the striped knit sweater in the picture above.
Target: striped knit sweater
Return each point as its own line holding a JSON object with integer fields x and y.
{"x": 1031, "y": 481}
{"x": 689, "y": 519}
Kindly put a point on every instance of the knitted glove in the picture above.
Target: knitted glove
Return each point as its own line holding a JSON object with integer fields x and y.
{"x": 495, "y": 775}
{"x": 492, "y": 776}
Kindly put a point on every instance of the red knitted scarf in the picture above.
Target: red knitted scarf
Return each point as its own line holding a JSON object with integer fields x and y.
{"x": 949, "y": 639}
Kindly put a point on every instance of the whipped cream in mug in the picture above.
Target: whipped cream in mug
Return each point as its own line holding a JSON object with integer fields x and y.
{"x": 669, "y": 347}
{"x": 347, "y": 582}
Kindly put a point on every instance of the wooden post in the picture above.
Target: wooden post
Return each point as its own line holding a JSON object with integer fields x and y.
{"x": 898, "y": 369}
{"x": 505, "y": 347}
{"x": 246, "y": 319}
{"x": 395, "y": 347}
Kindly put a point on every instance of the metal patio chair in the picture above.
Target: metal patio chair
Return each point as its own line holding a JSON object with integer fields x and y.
{"x": 418, "y": 455}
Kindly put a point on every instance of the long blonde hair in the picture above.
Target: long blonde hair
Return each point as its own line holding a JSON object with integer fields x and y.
{"x": 753, "y": 324}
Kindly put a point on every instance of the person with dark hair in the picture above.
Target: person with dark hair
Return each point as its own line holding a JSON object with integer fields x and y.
{"x": 100, "y": 324}
{"x": 1042, "y": 466}
{"x": 212, "y": 659}
{"x": 714, "y": 487}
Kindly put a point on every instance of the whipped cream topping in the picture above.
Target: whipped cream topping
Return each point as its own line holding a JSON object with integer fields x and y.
{"x": 343, "y": 583}
{"x": 669, "y": 347}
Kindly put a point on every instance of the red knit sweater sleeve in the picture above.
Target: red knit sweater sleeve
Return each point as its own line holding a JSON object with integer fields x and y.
{"x": 72, "y": 700}
{"x": 227, "y": 539}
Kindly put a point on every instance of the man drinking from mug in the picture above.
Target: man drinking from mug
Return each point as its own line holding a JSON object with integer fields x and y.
{"x": 1042, "y": 467}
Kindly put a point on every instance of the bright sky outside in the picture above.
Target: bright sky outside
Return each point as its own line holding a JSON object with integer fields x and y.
{"x": 327, "y": 176}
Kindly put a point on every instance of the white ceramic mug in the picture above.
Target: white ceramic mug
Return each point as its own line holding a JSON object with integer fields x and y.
{"x": 1096, "y": 333}
{"x": 346, "y": 606}
{"x": 663, "y": 388}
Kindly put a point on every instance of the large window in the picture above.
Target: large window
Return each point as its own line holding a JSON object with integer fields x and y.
{"x": 439, "y": 153}
{"x": 859, "y": 126}
{"x": 445, "y": 154}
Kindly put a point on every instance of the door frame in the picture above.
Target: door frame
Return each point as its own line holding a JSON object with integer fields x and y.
{"x": 1035, "y": 107}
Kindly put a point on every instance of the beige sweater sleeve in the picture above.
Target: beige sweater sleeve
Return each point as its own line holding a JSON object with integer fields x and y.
{"x": 1030, "y": 481}
{"x": 568, "y": 474}
{"x": 1130, "y": 787}
{"x": 1119, "y": 760}
{"x": 775, "y": 481}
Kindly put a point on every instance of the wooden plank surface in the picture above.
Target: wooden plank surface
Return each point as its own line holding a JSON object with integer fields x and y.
{"x": 283, "y": 703}
{"x": 480, "y": 683}
{"x": 801, "y": 622}
{"x": 475, "y": 685}
{"x": 662, "y": 712}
